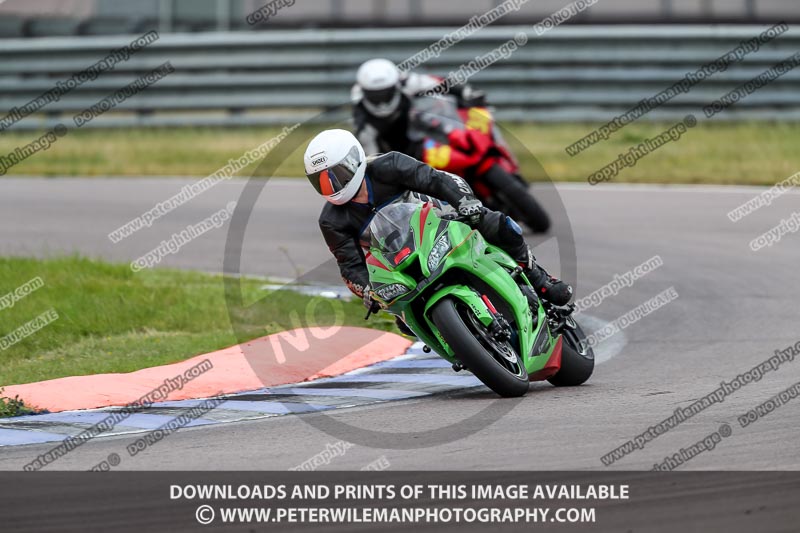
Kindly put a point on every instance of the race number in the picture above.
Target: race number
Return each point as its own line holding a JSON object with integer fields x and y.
{"x": 438, "y": 156}
{"x": 479, "y": 119}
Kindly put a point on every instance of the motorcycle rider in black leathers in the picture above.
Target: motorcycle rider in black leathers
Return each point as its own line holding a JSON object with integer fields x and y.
{"x": 356, "y": 187}
{"x": 381, "y": 101}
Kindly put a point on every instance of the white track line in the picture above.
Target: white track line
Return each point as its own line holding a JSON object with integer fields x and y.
{"x": 561, "y": 185}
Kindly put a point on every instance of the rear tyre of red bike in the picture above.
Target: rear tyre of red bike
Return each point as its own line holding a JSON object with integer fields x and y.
{"x": 517, "y": 200}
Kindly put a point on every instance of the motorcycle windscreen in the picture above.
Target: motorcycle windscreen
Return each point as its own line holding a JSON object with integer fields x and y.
{"x": 391, "y": 231}
{"x": 434, "y": 116}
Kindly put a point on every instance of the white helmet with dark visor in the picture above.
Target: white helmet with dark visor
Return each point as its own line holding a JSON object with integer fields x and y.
{"x": 335, "y": 164}
{"x": 379, "y": 80}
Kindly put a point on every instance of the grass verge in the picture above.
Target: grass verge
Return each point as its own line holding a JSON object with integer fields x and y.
{"x": 758, "y": 153}
{"x": 111, "y": 319}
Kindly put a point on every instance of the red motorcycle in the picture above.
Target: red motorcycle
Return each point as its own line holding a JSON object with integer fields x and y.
{"x": 467, "y": 142}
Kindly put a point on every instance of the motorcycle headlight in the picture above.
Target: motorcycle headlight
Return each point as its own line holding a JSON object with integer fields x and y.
{"x": 440, "y": 249}
{"x": 389, "y": 292}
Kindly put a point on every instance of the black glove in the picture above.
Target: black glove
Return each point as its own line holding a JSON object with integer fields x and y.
{"x": 471, "y": 209}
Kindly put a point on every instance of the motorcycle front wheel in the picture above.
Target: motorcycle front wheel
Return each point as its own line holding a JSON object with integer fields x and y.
{"x": 493, "y": 362}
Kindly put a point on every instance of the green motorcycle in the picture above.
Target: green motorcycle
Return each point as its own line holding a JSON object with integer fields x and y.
{"x": 470, "y": 302}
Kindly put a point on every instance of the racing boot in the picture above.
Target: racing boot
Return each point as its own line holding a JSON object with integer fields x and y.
{"x": 547, "y": 287}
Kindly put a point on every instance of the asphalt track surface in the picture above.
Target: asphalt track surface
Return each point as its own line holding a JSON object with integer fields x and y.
{"x": 735, "y": 308}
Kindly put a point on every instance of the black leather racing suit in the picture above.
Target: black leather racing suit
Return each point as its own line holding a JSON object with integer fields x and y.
{"x": 388, "y": 177}
{"x": 384, "y": 134}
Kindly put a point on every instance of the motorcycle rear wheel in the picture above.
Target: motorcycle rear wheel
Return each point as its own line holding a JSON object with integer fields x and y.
{"x": 577, "y": 358}
{"x": 516, "y": 200}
